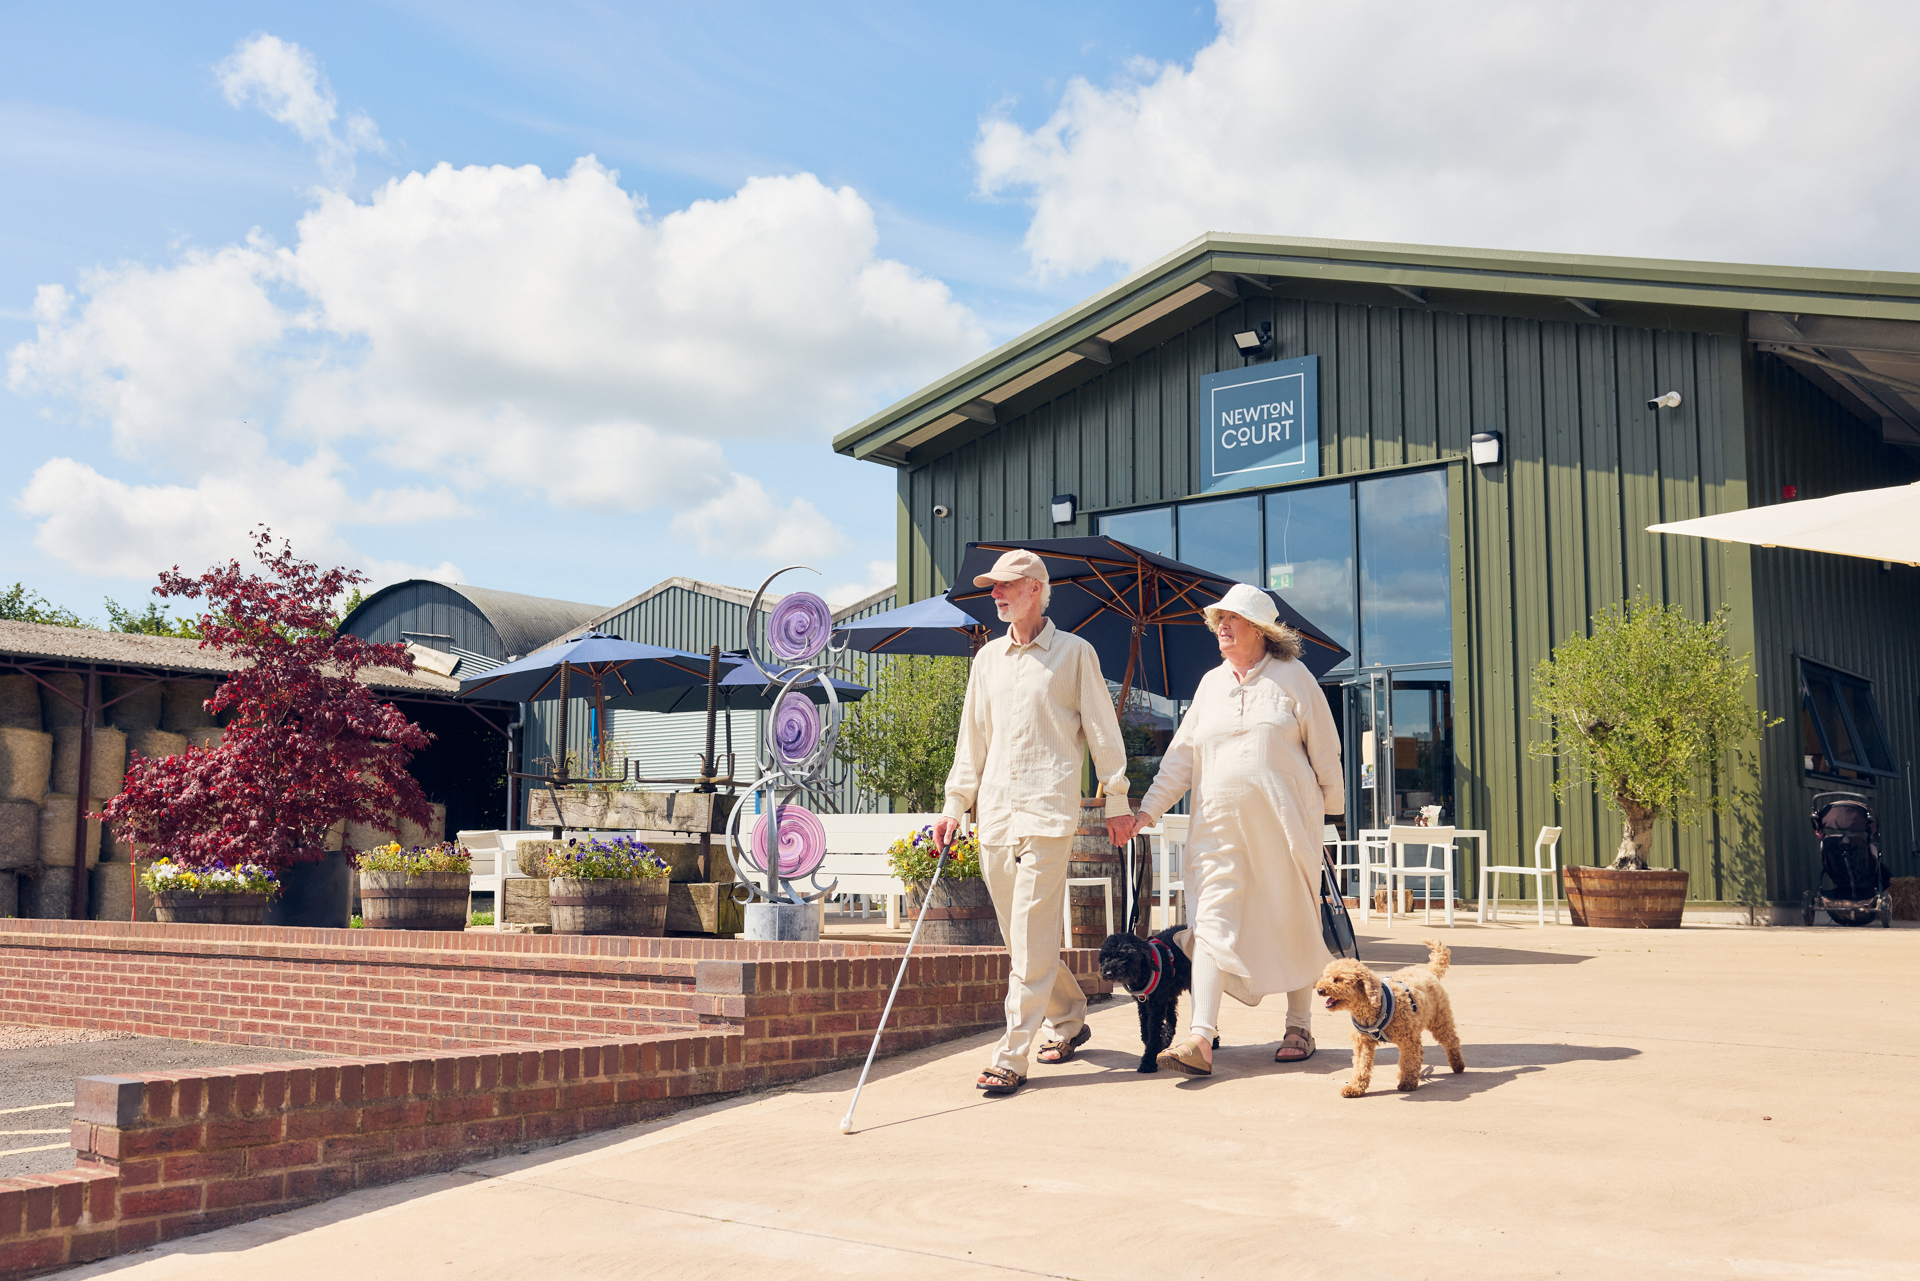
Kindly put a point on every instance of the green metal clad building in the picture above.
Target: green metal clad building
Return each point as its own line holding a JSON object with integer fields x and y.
{"x": 1451, "y": 579}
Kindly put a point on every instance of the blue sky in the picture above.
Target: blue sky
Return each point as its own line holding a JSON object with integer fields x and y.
{"x": 289, "y": 263}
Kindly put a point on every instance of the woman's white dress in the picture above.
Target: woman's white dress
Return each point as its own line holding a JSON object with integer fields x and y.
{"x": 1262, "y": 759}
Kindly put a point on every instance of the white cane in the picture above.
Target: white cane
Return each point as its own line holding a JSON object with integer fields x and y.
{"x": 846, "y": 1122}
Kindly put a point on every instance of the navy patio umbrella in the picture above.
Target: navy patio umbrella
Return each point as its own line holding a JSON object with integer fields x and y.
{"x": 743, "y": 687}
{"x": 1140, "y": 610}
{"x": 612, "y": 667}
{"x": 932, "y": 626}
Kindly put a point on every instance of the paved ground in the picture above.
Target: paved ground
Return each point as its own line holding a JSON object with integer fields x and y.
{"x": 1698, "y": 1103}
{"x": 38, "y": 1067}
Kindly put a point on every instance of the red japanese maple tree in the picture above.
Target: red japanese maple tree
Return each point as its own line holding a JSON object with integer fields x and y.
{"x": 307, "y": 744}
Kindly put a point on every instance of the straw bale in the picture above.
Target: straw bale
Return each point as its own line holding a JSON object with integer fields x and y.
{"x": 26, "y": 764}
{"x": 156, "y": 743}
{"x": 138, "y": 702}
{"x": 532, "y": 856}
{"x": 56, "y": 711}
{"x": 19, "y": 834}
{"x": 19, "y": 702}
{"x": 56, "y": 832}
{"x": 47, "y": 895}
{"x": 184, "y": 706}
{"x": 9, "y": 895}
{"x": 112, "y": 848}
{"x": 1906, "y": 898}
{"x": 109, "y": 766}
{"x": 412, "y": 834}
{"x": 206, "y": 736}
{"x": 113, "y": 891}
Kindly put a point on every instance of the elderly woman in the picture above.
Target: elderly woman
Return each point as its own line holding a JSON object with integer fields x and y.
{"x": 1259, "y": 751}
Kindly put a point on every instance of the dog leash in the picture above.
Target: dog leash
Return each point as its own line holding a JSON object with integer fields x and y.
{"x": 1154, "y": 947}
{"x": 1376, "y": 1030}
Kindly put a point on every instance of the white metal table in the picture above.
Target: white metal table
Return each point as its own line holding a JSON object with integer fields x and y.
{"x": 1375, "y": 838}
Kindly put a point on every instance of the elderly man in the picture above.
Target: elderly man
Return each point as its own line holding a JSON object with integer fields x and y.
{"x": 1036, "y": 703}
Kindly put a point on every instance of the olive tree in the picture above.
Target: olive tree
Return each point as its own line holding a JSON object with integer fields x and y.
{"x": 899, "y": 738}
{"x": 1643, "y": 708}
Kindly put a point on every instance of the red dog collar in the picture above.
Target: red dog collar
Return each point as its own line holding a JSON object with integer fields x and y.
{"x": 1155, "y": 946}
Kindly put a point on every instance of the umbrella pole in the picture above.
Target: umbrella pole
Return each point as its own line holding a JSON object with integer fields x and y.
{"x": 707, "y": 770}
{"x": 566, "y": 702}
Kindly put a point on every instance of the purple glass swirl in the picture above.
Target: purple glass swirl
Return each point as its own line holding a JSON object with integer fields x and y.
{"x": 799, "y": 627}
{"x": 801, "y": 845}
{"x": 796, "y": 728}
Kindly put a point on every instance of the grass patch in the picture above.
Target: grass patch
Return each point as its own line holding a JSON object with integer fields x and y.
{"x": 481, "y": 918}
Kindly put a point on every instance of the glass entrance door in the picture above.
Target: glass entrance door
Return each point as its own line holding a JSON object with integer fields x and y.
{"x": 1401, "y": 725}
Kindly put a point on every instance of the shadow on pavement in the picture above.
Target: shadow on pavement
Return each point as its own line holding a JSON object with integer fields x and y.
{"x": 1375, "y": 950}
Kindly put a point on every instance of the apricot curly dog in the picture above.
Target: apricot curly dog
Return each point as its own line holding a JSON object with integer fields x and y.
{"x": 1397, "y": 1009}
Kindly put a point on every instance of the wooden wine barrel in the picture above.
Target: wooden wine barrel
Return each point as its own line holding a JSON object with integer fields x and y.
{"x": 1095, "y": 855}
{"x": 426, "y": 901}
{"x": 183, "y": 907}
{"x": 1651, "y": 900}
{"x": 630, "y": 906}
{"x": 960, "y": 913}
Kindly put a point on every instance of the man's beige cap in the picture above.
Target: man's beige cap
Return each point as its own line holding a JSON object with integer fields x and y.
{"x": 1013, "y": 566}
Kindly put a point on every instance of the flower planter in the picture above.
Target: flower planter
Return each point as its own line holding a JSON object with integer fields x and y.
{"x": 620, "y": 906}
{"x": 1651, "y": 900}
{"x": 415, "y": 901}
{"x": 959, "y": 914}
{"x": 184, "y": 907}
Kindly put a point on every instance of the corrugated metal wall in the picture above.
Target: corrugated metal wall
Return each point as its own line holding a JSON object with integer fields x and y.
{"x": 1837, "y": 610}
{"x": 692, "y": 621}
{"x": 1541, "y": 542}
{"x": 435, "y": 616}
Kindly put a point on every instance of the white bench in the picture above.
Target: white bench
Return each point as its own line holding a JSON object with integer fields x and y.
{"x": 857, "y": 856}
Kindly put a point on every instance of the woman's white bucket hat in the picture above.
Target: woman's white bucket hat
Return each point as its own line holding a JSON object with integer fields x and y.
{"x": 1251, "y": 604}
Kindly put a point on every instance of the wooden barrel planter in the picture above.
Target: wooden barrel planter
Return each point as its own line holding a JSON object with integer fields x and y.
{"x": 184, "y": 907}
{"x": 1651, "y": 900}
{"x": 424, "y": 901}
{"x": 960, "y": 913}
{"x": 1095, "y": 855}
{"x": 582, "y": 906}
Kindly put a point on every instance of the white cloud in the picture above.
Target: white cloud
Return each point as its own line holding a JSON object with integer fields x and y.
{"x": 286, "y": 82}
{"x": 497, "y": 329}
{"x": 1653, "y": 127}
{"x": 880, "y": 574}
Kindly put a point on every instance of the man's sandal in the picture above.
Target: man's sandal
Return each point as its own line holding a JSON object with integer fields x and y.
{"x": 998, "y": 1082}
{"x": 1297, "y": 1040}
{"x": 1187, "y": 1056}
{"x": 1062, "y": 1050}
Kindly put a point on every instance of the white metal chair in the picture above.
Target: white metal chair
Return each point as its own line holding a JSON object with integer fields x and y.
{"x": 1066, "y": 905}
{"x": 1169, "y": 840}
{"x": 1330, "y": 838}
{"x": 1397, "y": 869}
{"x": 1546, "y": 864}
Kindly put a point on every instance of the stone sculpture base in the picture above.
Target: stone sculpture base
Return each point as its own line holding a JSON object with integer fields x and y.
{"x": 782, "y": 922}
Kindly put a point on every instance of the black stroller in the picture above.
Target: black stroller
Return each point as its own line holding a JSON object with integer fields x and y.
{"x": 1850, "y": 861}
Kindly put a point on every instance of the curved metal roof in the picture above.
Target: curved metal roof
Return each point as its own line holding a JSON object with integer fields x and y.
{"x": 523, "y": 623}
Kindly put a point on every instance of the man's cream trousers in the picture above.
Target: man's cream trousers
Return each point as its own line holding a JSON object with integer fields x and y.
{"x": 1029, "y": 898}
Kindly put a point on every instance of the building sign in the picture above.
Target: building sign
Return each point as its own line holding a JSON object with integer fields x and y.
{"x": 1260, "y": 425}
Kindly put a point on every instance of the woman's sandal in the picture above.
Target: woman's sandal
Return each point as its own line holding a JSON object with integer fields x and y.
{"x": 1297, "y": 1038}
{"x": 998, "y": 1082}
{"x": 1062, "y": 1050}
{"x": 1187, "y": 1056}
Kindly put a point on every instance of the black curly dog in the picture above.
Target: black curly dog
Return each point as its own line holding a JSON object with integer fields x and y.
{"x": 1156, "y": 971}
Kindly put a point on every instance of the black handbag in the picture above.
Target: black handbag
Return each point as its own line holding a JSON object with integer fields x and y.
{"x": 1336, "y": 927}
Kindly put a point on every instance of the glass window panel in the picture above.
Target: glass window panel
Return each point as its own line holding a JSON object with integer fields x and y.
{"x": 1874, "y": 751}
{"x": 1310, "y": 556}
{"x": 1827, "y": 707}
{"x": 1150, "y": 530}
{"x": 1406, "y": 603}
{"x": 1222, "y": 538}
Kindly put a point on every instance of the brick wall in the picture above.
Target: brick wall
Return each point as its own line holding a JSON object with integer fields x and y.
{"x": 515, "y": 1041}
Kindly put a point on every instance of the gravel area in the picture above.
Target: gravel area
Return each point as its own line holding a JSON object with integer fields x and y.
{"x": 38, "y": 1066}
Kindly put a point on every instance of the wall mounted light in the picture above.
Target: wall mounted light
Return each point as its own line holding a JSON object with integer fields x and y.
{"x": 941, "y": 511}
{"x": 1670, "y": 400}
{"x": 1255, "y": 340}
{"x": 1063, "y": 509}
{"x": 1486, "y": 448}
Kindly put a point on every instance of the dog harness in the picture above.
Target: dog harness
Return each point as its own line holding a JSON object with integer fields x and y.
{"x": 1376, "y": 1030}
{"x": 1155, "y": 946}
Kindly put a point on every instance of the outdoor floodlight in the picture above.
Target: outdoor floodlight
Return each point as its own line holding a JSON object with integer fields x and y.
{"x": 1486, "y": 448}
{"x": 1255, "y": 340}
{"x": 1669, "y": 401}
{"x": 1063, "y": 509}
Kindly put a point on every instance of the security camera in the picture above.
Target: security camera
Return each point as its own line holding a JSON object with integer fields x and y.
{"x": 942, "y": 510}
{"x": 1669, "y": 401}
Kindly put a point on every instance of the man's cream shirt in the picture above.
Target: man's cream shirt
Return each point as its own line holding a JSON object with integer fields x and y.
{"x": 1032, "y": 712}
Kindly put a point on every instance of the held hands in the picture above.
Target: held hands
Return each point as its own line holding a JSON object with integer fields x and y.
{"x": 944, "y": 830}
{"x": 1121, "y": 830}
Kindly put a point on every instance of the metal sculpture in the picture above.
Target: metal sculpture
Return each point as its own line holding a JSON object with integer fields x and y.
{"x": 787, "y": 842}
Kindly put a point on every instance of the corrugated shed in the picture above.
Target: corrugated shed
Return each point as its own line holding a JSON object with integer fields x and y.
{"x": 450, "y": 616}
